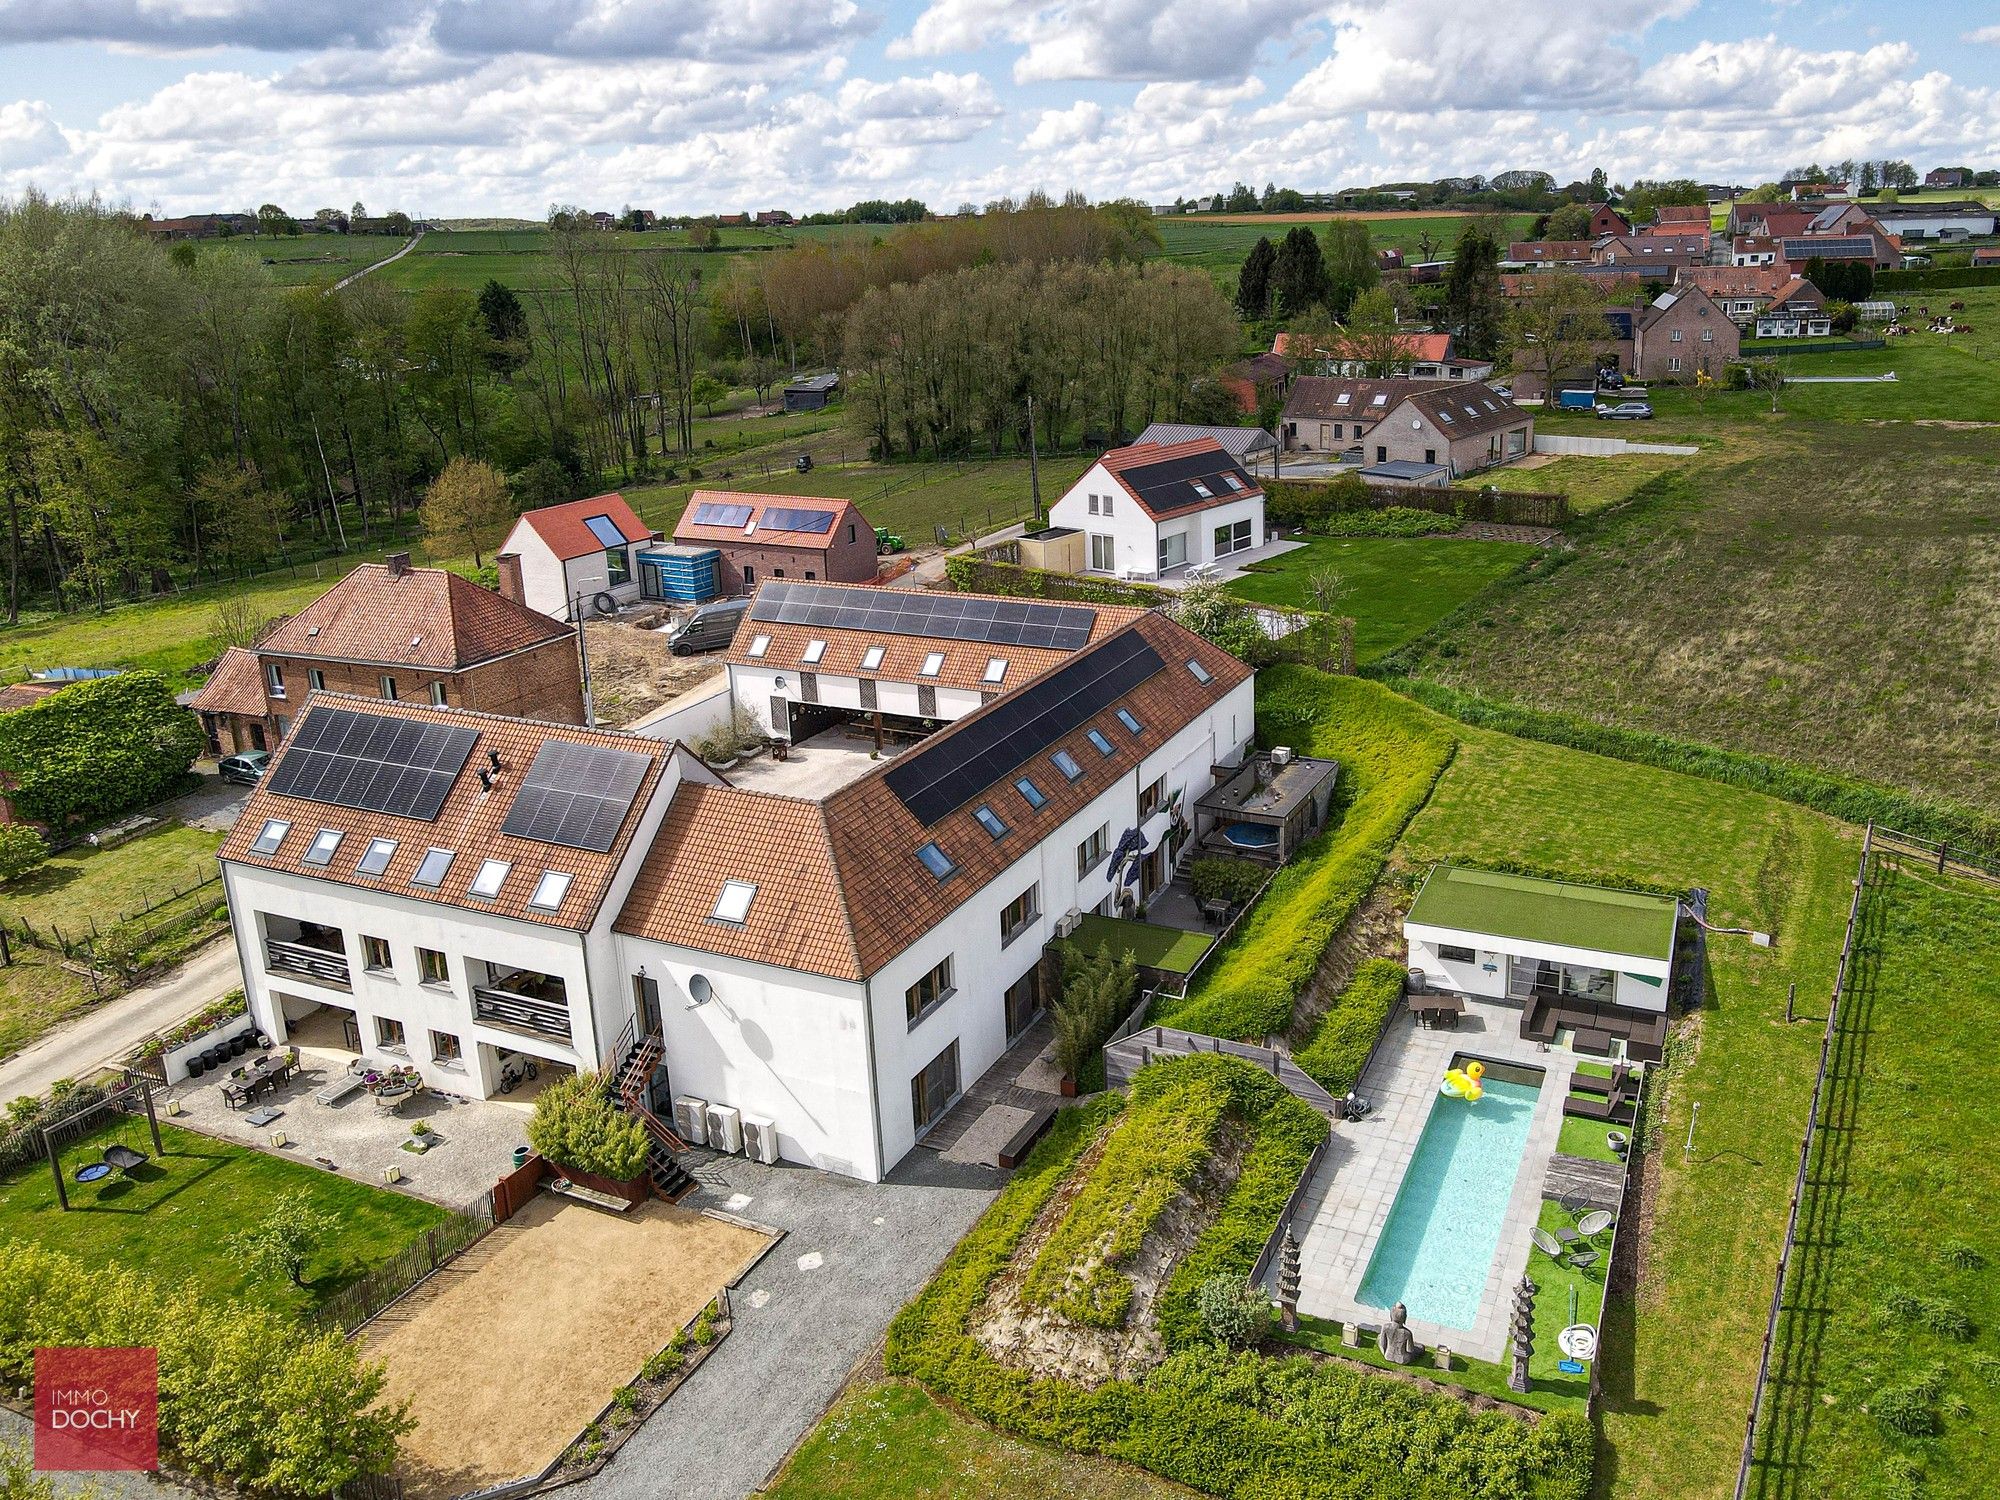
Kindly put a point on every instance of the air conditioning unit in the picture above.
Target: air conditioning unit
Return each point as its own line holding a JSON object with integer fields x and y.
{"x": 725, "y": 1128}
{"x": 1071, "y": 920}
{"x": 1282, "y": 755}
{"x": 691, "y": 1119}
{"x": 760, "y": 1140}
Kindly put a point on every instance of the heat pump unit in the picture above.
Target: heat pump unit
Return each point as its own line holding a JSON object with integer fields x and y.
{"x": 725, "y": 1129}
{"x": 691, "y": 1119}
{"x": 1282, "y": 756}
{"x": 760, "y": 1140}
{"x": 1071, "y": 920}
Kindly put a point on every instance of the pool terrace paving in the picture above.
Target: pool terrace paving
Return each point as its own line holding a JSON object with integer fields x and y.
{"x": 1348, "y": 1204}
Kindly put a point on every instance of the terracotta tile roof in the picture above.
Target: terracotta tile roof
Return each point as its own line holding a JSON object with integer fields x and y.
{"x": 1466, "y": 408}
{"x": 686, "y": 530}
{"x": 1536, "y": 252}
{"x": 425, "y": 617}
{"x": 1681, "y": 213}
{"x": 21, "y": 694}
{"x": 236, "y": 686}
{"x": 964, "y": 661}
{"x": 1797, "y": 288}
{"x": 562, "y": 528}
{"x": 1161, "y": 477}
{"x": 844, "y": 889}
{"x": 1426, "y": 348}
{"x": 468, "y": 823}
{"x": 1319, "y": 397}
{"x": 1732, "y": 281}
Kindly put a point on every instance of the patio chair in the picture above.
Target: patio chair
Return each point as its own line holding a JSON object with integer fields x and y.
{"x": 1596, "y": 1221}
{"x": 1547, "y": 1243}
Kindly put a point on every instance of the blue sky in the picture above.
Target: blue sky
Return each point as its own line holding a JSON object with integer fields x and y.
{"x": 477, "y": 107}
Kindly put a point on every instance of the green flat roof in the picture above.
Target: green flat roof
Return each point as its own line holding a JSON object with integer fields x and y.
{"x": 1166, "y": 948}
{"x": 1547, "y": 911}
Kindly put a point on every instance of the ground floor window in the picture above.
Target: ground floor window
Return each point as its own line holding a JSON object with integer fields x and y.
{"x": 1173, "y": 550}
{"x": 1024, "y": 1002}
{"x": 1527, "y": 977}
{"x": 445, "y": 1047}
{"x": 1233, "y": 538}
{"x": 933, "y": 1089}
{"x": 1103, "y": 554}
{"x": 389, "y": 1033}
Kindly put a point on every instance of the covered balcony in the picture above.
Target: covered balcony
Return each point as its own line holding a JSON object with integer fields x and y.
{"x": 306, "y": 950}
{"x": 520, "y": 1000}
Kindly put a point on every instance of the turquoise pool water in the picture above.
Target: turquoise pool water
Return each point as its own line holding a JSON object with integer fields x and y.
{"x": 1444, "y": 1226}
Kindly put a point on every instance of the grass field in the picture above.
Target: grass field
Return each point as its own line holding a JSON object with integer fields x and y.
{"x": 1898, "y": 1246}
{"x": 1591, "y": 483}
{"x": 1398, "y": 587}
{"x": 172, "y": 1218}
{"x": 83, "y": 885}
{"x": 36, "y": 994}
{"x": 889, "y": 1440}
{"x": 311, "y": 259}
{"x": 1219, "y": 243}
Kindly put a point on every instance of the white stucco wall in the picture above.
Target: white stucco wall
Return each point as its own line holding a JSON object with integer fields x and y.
{"x": 1136, "y": 535}
{"x": 1632, "y": 992}
{"x": 755, "y": 687}
{"x": 549, "y": 584}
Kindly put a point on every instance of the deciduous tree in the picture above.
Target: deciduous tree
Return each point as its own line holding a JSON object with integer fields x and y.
{"x": 466, "y": 510}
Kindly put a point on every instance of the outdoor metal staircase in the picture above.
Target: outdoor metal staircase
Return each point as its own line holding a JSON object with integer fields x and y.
{"x": 634, "y": 1059}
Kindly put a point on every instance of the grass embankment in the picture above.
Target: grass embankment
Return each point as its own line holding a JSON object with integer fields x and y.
{"x": 1397, "y": 587}
{"x": 171, "y": 1219}
{"x": 1888, "y": 1357}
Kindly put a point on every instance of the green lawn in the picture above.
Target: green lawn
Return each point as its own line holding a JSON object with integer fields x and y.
{"x": 172, "y": 1219}
{"x": 36, "y": 994}
{"x": 1904, "y": 1183}
{"x": 1591, "y": 483}
{"x": 889, "y": 1440}
{"x": 84, "y": 886}
{"x": 310, "y": 259}
{"x": 1398, "y": 587}
{"x": 1166, "y": 948}
{"x": 1586, "y": 1138}
{"x": 1219, "y": 245}
{"x": 1681, "y": 1352}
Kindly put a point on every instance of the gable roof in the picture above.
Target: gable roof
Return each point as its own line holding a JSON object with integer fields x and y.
{"x": 1236, "y": 441}
{"x": 1798, "y": 290}
{"x": 564, "y": 529}
{"x": 759, "y": 523}
{"x": 1680, "y": 213}
{"x": 236, "y": 686}
{"x": 418, "y": 617}
{"x": 1828, "y": 247}
{"x": 1466, "y": 408}
{"x": 849, "y": 893}
{"x": 1338, "y": 396}
{"x": 1732, "y": 281}
{"x": 1549, "y": 252}
{"x": 468, "y": 822}
{"x": 1170, "y": 479}
{"x": 1424, "y": 348}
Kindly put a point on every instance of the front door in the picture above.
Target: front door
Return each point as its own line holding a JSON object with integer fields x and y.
{"x": 646, "y": 1005}
{"x": 257, "y": 737}
{"x": 781, "y": 717}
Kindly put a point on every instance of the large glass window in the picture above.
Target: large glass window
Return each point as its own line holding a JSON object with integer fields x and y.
{"x": 617, "y": 567}
{"x": 1173, "y": 550}
{"x": 1103, "y": 554}
{"x": 933, "y": 1089}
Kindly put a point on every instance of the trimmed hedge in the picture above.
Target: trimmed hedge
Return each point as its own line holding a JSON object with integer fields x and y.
{"x": 1346, "y": 1033}
{"x": 1390, "y": 755}
{"x": 1842, "y": 797}
{"x": 1244, "y": 1426}
{"x": 97, "y": 749}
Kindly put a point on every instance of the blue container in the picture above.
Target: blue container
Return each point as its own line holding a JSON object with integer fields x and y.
{"x": 685, "y": 575}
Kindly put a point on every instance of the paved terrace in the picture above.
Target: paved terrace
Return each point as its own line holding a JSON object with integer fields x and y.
{"x": 818, "y": 767}
{"x": 1355, "y": 1187}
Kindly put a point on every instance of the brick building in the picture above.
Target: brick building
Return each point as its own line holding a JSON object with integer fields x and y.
{"x": 779, "y": 536}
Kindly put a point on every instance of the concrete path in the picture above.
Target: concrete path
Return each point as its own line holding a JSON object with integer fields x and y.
{"x": 853, "y": 1253}
{"x": 99, "y": 1036}
{"x": 345, "y": 281}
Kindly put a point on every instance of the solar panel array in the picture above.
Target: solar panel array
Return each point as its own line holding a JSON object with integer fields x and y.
{"x": 780, "y": 519}
{"x": 576, "y": 795}
{"x": 933, "y": 780}
{"x": 373, "y": 762}
{"x": 1170, "y": 484}
{"x": 712, "y": 513}
{"x": 957, "y": 617}
{"x": 605, "y": 530}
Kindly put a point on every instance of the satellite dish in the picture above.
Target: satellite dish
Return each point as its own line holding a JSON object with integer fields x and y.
{"x": 700, "y": 991}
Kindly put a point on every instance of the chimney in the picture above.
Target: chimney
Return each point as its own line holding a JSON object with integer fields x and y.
{"x": 399, "y": 564}
{"x": 508, "y": 565}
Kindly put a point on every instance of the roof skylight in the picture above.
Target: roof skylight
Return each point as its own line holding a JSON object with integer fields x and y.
{"x": 933, "y": 664}
{"x": 1125, "y": 718}
{"x": 492, "y": 875}
{"x": 1030, "y": 793}
{"x": 270, "y": 836}
{"x": 937, "y": 861}
{"x": 872, "y": 658}
{"x": 1201, "y": 673}
{"x": 324, "y": 843}
{"x": 733, "y": 905}
{"x": 375, "y": 858}
{"x": 990, "y": 820}
{"x": 813, "y": 652}
{"x": 1066, "y": 763}
{"x": 550, "y": 890}
{"x": 1103, "y": 745}
{"x": 996, "y": 668}
{"x": 431, "y": 868}
{"x": 759, "y": 645}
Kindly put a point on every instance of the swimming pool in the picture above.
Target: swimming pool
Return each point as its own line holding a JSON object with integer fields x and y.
{"x": 1444, "y": 1226}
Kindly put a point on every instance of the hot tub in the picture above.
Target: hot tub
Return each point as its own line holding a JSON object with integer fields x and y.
{"x": 1251, "y": 835}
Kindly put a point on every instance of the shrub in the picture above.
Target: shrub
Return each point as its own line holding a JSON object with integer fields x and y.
{"x": 22, "y": 848}
{"x": 1390, "y": 754}
{"x": 246, "y": 1394}
{"x": 1910, "y": 1409}
{"x": 1393, "y": 520}
{"x": 1234, "y": 1312}
{"x": 1220, "y": 878}
{"x": 1346, "y": 1033}
{"x": 97, "y": 748}
{"x": 203, "y": 1021}
{"x": 576, "y": 1125}
{"x": 1963, "y": 1257}
{"x": 662, "y": 1363}
{"x": 1096, "y": 994}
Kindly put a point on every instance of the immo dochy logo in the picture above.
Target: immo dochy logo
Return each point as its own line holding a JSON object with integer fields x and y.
{"x": 97, "y": 1409}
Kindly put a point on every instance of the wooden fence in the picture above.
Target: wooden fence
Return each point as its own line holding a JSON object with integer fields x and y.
{"x": 439, "y": 1246}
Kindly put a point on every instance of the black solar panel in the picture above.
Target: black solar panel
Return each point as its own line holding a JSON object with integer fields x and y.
{"x": 797, "y": 520}
{"x": 709, "y": 513}
{"x": 933, "y": 780}
{"x": 576, "y": 795}
{"x": 958, "y": 617}
{"x": 381, "y": 764}
{"x": 1169, "y": 485}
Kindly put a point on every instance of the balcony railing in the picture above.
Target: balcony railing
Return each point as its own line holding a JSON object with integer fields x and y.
{"x": 319, "y": 965}
{"x": 501, "y": 1007}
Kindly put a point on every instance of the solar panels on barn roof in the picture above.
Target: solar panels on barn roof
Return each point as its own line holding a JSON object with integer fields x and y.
{"x": 710, "y": 513}
{"x": 959, "y": 617}
{"x": 346, "y": 758}
{"x": 778, "y": 519}
{"x": 935, "y": 778}
{"x": 576, "y": 795}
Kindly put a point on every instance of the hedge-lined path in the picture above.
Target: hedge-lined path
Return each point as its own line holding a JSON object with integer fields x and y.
{"x": 105, "y": 1033}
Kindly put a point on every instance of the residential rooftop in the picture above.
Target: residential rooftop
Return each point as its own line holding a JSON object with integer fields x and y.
{"x": 1594, "y": 918}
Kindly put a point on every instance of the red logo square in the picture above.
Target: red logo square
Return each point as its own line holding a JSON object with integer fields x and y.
{"x": 97, "y": 1409}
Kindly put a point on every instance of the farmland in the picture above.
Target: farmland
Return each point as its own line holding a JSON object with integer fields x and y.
{"x": 1218, "y": 243}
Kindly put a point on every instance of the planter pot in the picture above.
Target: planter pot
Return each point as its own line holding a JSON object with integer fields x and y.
{"x": 520, "y": 1156}
{"x": 719, "y": 765}
{"x": 1068, "y": 1086}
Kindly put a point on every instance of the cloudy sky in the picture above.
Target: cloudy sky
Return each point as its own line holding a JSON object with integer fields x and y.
{"x": 476, "y": 107}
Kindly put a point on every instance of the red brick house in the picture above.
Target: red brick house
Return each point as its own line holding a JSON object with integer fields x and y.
{"x": 779, "y": 536}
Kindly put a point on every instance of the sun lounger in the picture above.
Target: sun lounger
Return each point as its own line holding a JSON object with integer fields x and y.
{"x": 339, "y": 1089}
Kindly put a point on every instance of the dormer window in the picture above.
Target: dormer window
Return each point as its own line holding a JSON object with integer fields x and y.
{"x": 733, "y": 905}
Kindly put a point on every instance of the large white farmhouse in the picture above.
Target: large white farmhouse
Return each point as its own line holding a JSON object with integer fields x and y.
{"x": 834, "y": 946}
{"x": 1154, "y": 510}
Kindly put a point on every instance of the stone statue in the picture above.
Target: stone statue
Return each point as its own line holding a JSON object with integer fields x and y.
{"x": 1399, "y": 1345}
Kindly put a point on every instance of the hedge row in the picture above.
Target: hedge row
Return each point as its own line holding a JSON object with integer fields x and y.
{"x": 1243, "y": 1426}
{"x": 1283, "y": 1133}
{"x": 97, "y": 749}
{"x": 1923, "y": 281}
{"x": 1390, "y": 756}
{"x": 1346, "y": 1033}
{"x": 1393, "y": 520}
{"x": 1842, "y": 797}
{"x": 1311, "y": 502}
{"x": 246, "y": 1395}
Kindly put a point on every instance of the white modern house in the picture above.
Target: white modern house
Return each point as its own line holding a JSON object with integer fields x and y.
{"x": 579, "y": 557}
{"x": 1152, "y": 510}
{"x": 1587, "y": 964}
{"x": 827, "y": 953}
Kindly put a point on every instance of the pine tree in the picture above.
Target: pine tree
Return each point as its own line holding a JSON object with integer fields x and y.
{"x": 1299, "y": 276}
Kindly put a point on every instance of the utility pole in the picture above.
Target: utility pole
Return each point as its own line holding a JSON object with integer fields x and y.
{"x": 1034, "y": 463}
{"x": 583, "y": 655}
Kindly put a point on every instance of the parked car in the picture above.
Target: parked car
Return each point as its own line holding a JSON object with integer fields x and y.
{"x": 709, "y": 628}
{"x": 1627, "y": 411}
{"x": 1610, "y": 380}
{"x": 244, "y": 769}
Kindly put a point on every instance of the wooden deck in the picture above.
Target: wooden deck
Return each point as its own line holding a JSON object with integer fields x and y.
{"x": 1600, "y": 1184}
{"x": 996, "y": 1086}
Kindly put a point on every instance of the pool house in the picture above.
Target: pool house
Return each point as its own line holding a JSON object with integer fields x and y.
{"x": 1590, "y": 967}
{"x": 1267, "y": 807}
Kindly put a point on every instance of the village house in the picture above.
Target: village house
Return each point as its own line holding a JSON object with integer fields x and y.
{"x": 395, "y": 633}
{"x": 1549, "y": 253}
{"x": 1796, "y": 310}
{"x": 1460, "y": 428}
{"x": 1680, "y": 334}
{"x": 757, "y": 537}
{"x": 1249, "y": 446}
{"x": 1753, "y": 250}
{"x": 1740, "y": 291}
{"x": 1153, "y": 511}
{"x": 1255, "y": 380}
{"x": 1948, "y": 178}
{"x": 1606, "y": 220}
{"x": 576, "y": 559}
{"x": 1644, "y": 253}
